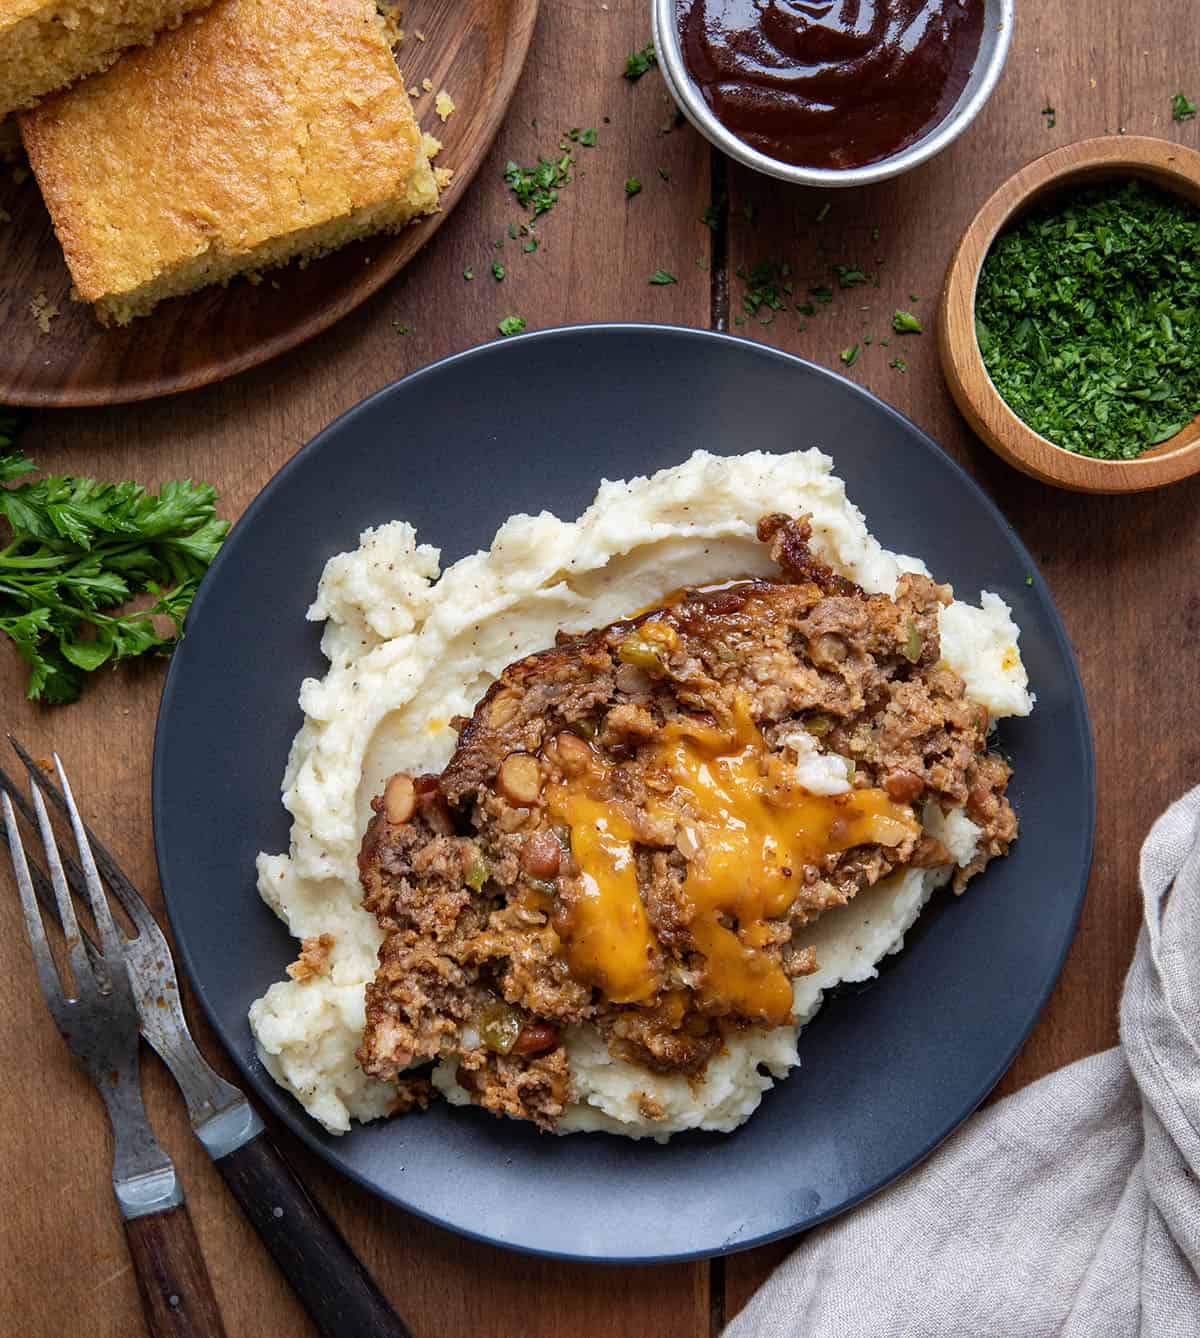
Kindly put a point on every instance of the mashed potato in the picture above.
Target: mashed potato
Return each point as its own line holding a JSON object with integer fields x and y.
{"x": 409, "y": 647}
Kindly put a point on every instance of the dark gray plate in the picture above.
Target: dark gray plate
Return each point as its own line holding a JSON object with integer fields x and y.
{"x": 536, "y": 422}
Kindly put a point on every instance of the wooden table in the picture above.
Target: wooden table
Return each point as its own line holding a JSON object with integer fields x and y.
{"x": 1121, "y": 569}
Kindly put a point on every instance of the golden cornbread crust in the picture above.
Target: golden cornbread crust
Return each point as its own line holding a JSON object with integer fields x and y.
{"x": 47, "y": 44}
{"x": 254, "y": 133}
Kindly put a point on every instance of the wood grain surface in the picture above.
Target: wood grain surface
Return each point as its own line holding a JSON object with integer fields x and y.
{"x": 1121, "y": 568}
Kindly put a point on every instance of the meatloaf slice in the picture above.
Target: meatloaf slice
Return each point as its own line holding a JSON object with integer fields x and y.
{"x": 621, "y": 837}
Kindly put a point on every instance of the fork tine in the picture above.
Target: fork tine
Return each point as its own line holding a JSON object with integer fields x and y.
{"x": 125, "y": 892}
{"x": 41, "y": 884}
{"x": 80, "y": 967}
{"x": 34, "y": 927}
{"x": 97, "y": 899}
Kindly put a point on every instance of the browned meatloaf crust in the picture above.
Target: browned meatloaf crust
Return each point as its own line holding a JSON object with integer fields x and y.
{"x": 474, "y": 880}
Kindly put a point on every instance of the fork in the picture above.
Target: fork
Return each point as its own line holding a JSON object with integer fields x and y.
{"x": 98, "y": 1021}
{"x": 328, "y": 1278}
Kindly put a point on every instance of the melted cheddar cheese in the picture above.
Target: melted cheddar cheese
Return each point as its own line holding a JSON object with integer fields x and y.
{"x": 748, "y": 830}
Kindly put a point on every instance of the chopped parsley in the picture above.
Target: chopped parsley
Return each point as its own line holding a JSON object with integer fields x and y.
{"x": 498, "y": 271}
{"x": 661, "y": 277}
{"x": 400, "y": 328}
{"x": 764, "y": 288}
{"x": 585, "y": 137}
{"x": 1088, "y": 319}
{"x": 1051, "y": 118}
{"x": 511, "y": 325}
{"x": 1182, "y": 108}
{"x": 662, "y": 172}
{"x": 530, "y": 245}
{"x": 823, "y": 212}
{"x": 711, "y": 218}
{"x": 638, "y": 63}
{"x": 632, "y": 186}
{"x": 898, "y": 364}
{"x": 904, "y": 322}
{"x": 468, "y": 274}
{"x": 536, "y": 188}
{"x": 849, "y": 355}
{"x": 822, "y": 293}
{"x": 850, "y": 276}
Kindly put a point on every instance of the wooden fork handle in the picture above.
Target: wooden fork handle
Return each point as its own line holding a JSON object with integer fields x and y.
{"x": 177, "y": 1293}
{"x": 339, "y": 1294}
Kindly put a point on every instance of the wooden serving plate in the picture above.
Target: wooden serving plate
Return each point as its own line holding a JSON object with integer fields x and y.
{"x": 1170, "y": 167}
{"x": 473, "y": 48}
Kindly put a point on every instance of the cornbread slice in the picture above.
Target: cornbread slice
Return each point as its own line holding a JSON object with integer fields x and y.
{"x": 47, "y": 44}
{"x": 254, "y": 133}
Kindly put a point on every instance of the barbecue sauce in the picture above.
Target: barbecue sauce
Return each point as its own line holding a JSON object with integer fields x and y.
{"x": 832, "y": 84}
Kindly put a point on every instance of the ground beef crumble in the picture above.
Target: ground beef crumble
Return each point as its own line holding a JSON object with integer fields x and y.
{"x": 473, "y": 882}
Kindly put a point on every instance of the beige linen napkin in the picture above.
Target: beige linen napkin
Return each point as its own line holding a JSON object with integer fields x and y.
{"x": 1071, "y": 1208}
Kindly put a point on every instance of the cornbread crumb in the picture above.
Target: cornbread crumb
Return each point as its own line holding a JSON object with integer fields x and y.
{"x": 431, "y": 144}
{"x": 414, "y": 92}
{"x": 427, "y": 85}
{"x": 420, "y": 35}
{"x": 47, "y": 44}
{"x": 43, "y": 311}
{"x": 198, "y": 159}
{"x": 314, "y": 957}
{"x": 443, "y": 104}
{"x": 443, "y": 176}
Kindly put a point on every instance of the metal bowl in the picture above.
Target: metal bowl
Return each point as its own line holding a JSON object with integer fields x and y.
{"x": 993, "y": 49}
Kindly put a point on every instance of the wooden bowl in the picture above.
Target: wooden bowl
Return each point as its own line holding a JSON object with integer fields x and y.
{"x": 1168, "y": 166}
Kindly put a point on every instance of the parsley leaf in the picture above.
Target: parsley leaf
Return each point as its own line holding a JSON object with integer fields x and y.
{"x": 638, "y": 63}
{"x": 77, "y": 550}
{"x": 849, "y": 355}
{"x": 1182, "y": 108}
{"x": 498, "y": 271}
{"x": 898, "y": 364}
{"x": 632, "y": 186}
{"x": 662, "y": 276}
{"x": 904, "y": 322}
{"x": 511, "y": 325}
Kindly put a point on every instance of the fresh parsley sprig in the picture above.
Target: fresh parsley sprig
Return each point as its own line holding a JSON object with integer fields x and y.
{"x": 75, "y": 551}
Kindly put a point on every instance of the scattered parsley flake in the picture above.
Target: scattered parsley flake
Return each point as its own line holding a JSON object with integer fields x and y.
{"x": 638, "y": 63}
{"x": 823, "y": 294}
{"x": 536, "y": 188}
{"x": 662, "y": 172}
{"x": 849, "y": 276}
{"x": 498, "y": 271}
{"x": 849, "y": 355}
{"x": 661, "y": 277}
{"x": 1029, "y": 578}
{"x": 512, "y": 232}
{"x": 530, "y": 245}
{"x": 823, "y": 212}
{"x": 1182, "y": 108}
{"x": 511, "y": 325}
{"x": 904, "y": 322}
{"x": 1051, "y": 119}
{"x": 711, "y": 218}
{"x": 400, "y": 328}
{"x": 898, "y": 364}
{"x": 468, "y": 274}
{"x": 632, "y": 186}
